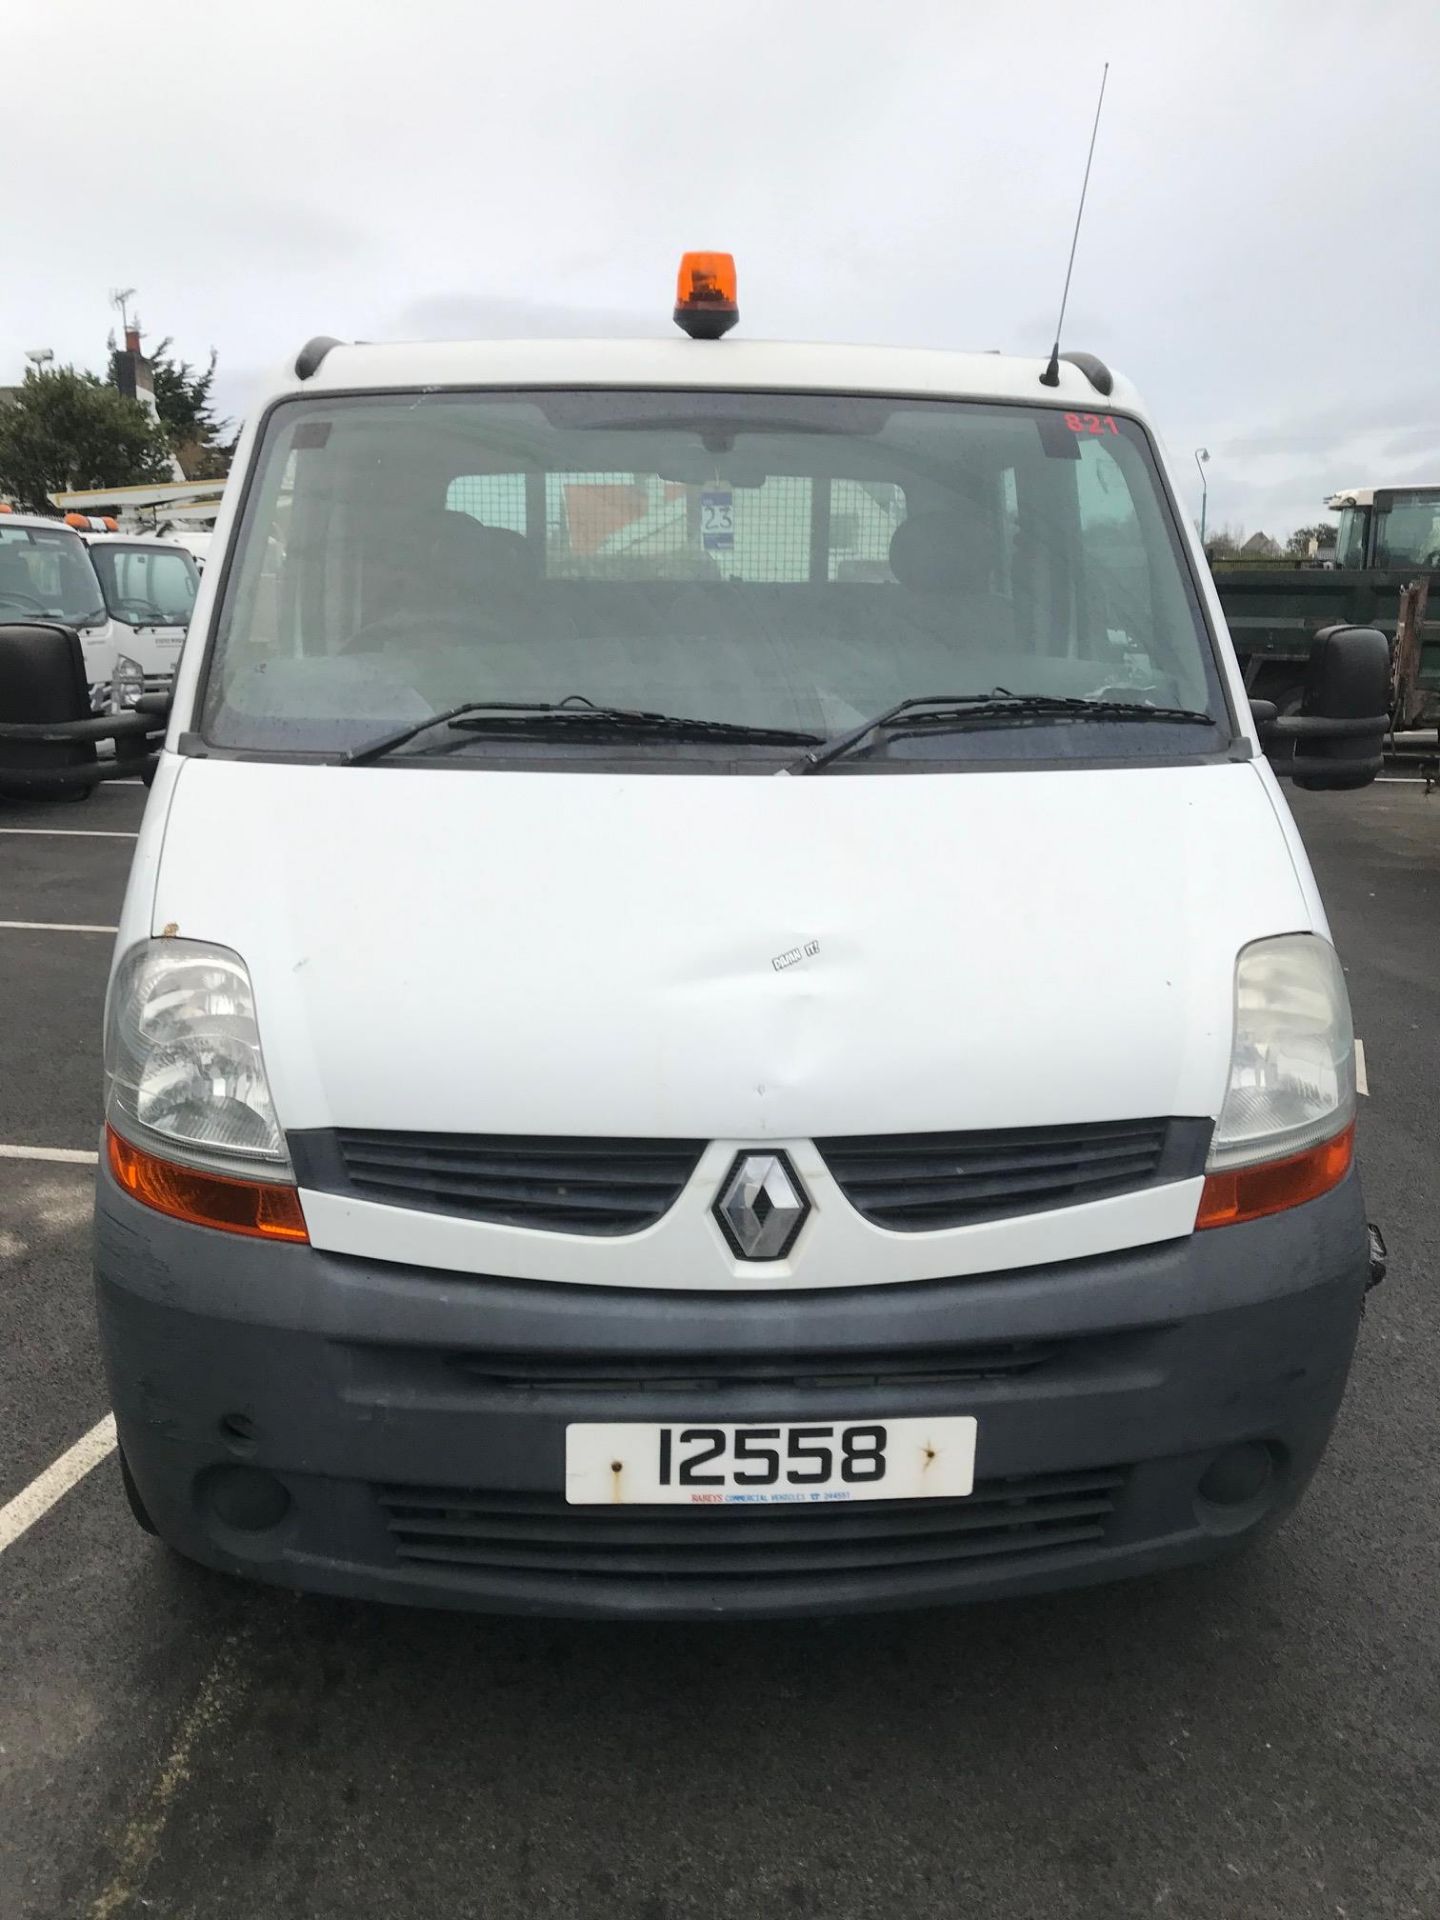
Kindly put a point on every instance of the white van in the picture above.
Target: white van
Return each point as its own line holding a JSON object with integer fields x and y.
{"x": 718, "y": 1010}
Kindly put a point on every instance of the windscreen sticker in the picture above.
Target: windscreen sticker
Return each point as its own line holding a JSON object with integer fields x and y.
{"x": 717, "y": 519}
{"x": 1092, "y": 423}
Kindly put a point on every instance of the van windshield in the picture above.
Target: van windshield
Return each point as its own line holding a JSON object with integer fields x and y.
{"x": 781, "y": 561}
{"x": 146, "y": 586}
{"x": 45, "y": 573}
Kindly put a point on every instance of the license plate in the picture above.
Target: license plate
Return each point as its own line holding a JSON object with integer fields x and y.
{"x": 637, "y": 1463}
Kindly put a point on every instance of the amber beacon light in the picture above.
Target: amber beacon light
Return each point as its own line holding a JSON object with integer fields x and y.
{"x": 705, "y": 295}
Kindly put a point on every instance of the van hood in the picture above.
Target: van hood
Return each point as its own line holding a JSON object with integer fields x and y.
{"x": 448, "y": 949}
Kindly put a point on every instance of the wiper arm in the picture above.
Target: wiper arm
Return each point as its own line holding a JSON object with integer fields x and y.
{"x": 842, "y": 743}
{"x": 402, "y": 736}
{"x": 942, "y": 712}
{"x": 578, "y": 713}
{"x": 625, "y": 720}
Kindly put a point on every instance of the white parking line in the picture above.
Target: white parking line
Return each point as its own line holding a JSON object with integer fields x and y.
{"x": 21, "y": 1513}
{"x": 71, "y": 1156}
{"x": 73, "y": 833}
{"x": 1362, "y": 1079}
{"x": 52, "y": 926}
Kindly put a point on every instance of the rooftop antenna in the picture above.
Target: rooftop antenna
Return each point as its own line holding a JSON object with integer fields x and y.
{"x": 1051, "y": 376}
{"x": 120, "y": 298}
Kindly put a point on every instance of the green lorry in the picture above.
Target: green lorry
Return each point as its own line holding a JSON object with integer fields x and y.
{"x": 1386, "y": 569}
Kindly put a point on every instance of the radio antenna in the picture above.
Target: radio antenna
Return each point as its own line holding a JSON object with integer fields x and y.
{"x": 1051, "y": 376}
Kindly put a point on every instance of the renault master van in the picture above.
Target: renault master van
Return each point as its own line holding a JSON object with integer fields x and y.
{"x": 719, "y": 1011}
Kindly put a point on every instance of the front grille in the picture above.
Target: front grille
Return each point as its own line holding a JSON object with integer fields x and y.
{"x": 911, "y": 1182}
{"x": 698, "y": 1373}
{"x": 908, "y": 1182}
{"x": 560, "y": 1185}
{"x": 538, "y": 1533}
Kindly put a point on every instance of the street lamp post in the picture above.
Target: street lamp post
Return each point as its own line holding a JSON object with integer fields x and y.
{"x": 1202, "y": 454}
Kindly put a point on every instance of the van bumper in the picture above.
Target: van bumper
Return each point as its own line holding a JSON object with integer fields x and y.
{"x": 394, "y": 1433}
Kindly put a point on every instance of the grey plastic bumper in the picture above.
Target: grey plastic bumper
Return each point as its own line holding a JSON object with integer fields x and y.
{"x": 343, "y": 1377}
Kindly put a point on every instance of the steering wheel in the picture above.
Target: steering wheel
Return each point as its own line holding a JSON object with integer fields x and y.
{"x": 149, "y": 614}
{"x": 27, "y": 599}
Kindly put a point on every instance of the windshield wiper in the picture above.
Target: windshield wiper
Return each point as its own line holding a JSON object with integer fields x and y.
{"x": 939, "y": 712}
{"x": 575, "y": 713}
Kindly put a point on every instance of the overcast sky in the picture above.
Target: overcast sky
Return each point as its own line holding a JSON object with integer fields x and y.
{"x": 1259, "y": 250}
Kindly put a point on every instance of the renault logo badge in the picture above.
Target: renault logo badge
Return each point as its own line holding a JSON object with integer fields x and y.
{"x": 761, "y": 1206}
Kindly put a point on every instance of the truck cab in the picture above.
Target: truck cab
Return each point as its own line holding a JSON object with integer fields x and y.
{"x": 149, "y": 584}
{"x": 1387, "y": 527}
{"x": 46, "y": 573}
{"x": 1385, "y": 559}
{"x": 129, "y": 597}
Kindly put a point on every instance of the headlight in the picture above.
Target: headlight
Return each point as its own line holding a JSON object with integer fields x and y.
{"x": 128, "y": 684}
{"x": 1292, "y": 1061}
{"x": 183, "y": 1070}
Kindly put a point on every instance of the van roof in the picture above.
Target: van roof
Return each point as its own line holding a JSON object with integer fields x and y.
{"x": 52, "y": 523}
{"x": 120, "y": 538}
{"x": 787, "y": 365}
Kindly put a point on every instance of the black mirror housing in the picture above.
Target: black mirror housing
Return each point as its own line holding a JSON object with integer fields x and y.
{"x": 42, "y": 680}
{"x": 1348, "y": 679}
{"x": 1339, "y": 732}
{"x": 48, "y": 734}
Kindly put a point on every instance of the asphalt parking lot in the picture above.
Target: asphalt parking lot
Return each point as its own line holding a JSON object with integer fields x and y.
{"x": 1258, "y": 1738}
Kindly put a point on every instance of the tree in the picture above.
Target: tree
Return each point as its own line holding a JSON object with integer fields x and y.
{"x": 1298, "y": 544}
{"x": 197, "y": 436}
{"x": 63, "y": 430}
{"x": 1223, "y": 543}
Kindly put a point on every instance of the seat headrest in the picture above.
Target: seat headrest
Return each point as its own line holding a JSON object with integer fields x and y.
{"x": 468, "y": 548}
{"x": 941, "y": 553}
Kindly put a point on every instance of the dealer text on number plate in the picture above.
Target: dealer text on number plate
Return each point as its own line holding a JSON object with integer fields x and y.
{"x": 692, "y": 1463}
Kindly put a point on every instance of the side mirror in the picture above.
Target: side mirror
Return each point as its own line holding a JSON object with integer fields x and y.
{"x": 156, "y": 704}
{"x": 1339, "y": 732}
{"x": 43, "y": 691}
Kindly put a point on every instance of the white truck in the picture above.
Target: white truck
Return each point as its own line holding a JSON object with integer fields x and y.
{"x": 128, "y": 598}
{"x": 149, "y": 584}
